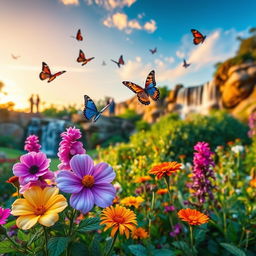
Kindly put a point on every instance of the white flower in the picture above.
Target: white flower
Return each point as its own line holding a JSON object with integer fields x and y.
{"x": 237, "y": 149}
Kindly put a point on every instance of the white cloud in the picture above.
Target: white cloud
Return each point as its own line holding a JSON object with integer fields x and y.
{"x": 120, "y": 21}
{"x": 169, "y": 59}
{"x": 70, "y": 2}
{"x": 180, "y": 54}
{"x": 111, "y": 4}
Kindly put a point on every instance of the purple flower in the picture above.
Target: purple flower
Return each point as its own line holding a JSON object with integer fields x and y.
{"x": 202, "y": 172}
{"x": 87, "y": 183}
{"x": 169, "y": 208}
{"x": 31, "y": 167}
{"x": 176, "y": 230}
{"x": 69, "y": 146}
{"x": 4, "y": 214}
{"x": 252, "y": 125}
{"x": 32, "y": 144}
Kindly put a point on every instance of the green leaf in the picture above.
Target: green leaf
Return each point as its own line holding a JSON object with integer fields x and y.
{"x": 57, "y": 245}
{"x": 163, "y": 252}
{"x": 181, "y": 245}
{"x": 95, "y": 246}
{"x": 79, "y": 249}
{"x": 233, "y": 249}
{"x": 89, "y": 224}
{"x": 6, "y": 247}
{"x": 23, "y": 236}
{"x": 138, "y": 250}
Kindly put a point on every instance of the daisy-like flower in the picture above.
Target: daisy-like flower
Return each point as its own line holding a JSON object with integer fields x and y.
{"x": 14, "y": 180}
{"x": 32, "y": 144}
{"x": 132, "y": 201}
{"x": 142, "y": 179}
{"x": 253, "y": 183}
{"x": 165, "y": 169}
{"x": 162, "y": 191}
{"x": 87, "y": 183}
{"x": 139, "y": 233}
{"x": 31, "y": 167}
{"x": 4, "y": 214}
{"x": 69, "y": 146}
{"x": 119, "y": 219}
{"x": 193, "y": 217}
{"x": 38, "y": 205}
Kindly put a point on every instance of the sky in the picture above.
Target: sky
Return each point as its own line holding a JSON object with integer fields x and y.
{"x": 41, "y": 30}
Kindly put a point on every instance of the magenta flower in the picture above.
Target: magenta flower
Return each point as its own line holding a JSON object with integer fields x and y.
{"x": 169, "y": 208}
{"x": 252, "y": 125}
{"x": 31, "y": 167}
{"x": 87, "y": 183}
{"x": 69, "y": 146}
{"x": 176, "y": 230}
{"x": 4, "y": 214}
{"x": 32, "y": 144}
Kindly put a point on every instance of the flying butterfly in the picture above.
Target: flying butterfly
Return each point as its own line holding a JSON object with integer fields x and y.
{"x": 198, "y": 37}
{"x": 46, "y": 73}
{"x": 120, "y": 61}
{"x": 78, "y": 36}
{"x": 82, "y": 58}
{"x": 104, "y": 63}
{"x": 185, "y": 64}
{"x": 150, "y": 90}
{"x": 153, "y": 51}
{"x": 90, "y": 109}
{"x": 15, "y": 57}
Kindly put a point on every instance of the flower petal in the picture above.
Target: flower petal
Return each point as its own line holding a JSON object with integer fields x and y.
{"x": 48, "y": 220}
{"x": 68, "y": 182}
{"x": 81, "y": 165}
{"x": 58, "y": 204}
{"x": 103, "y": 173}
{"x": 82, "y": 201}
{"x": 27, "y": 222}
{"x": 20, "y": 169}
{"x": 34, "y": 196}
{"x": 22, "y": 207}
{"x": 48, "y": 194}
{"x": 104, "y": 194}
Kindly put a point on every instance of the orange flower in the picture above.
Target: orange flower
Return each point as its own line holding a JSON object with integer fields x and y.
{"x": 162, "y": 191}
{"x": 132, "y": 201}
{"x": 253, "y": 183}
{"x": 14, "y": 180}
{"x": 119, "y": 218}
{"x": 165, "y": 169}
{"x": 116, "y": 200}
{"x": 139, "y": 233}
{"x": 182, "y": 157}
{"x": 193, "y": 217}
{"x": 142, "y": 179}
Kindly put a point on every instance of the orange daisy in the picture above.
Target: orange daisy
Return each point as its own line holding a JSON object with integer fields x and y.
{"x": 253, "y": 183}
{"x": 119, "y": 219}
{"x": 165, "y": 169}
{"x": 139, "y": 233}
{"x": 14, "y": 180}
{"x": 162, "y": 191}
{"x": 193, "y": 217}
{"x": 142, "y": 179}
{"x": 132, "y": 201}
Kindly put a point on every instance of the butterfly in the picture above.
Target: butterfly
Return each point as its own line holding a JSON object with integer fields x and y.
{"x": 150, "y": 89}
{"x": 79, "y": 36}
{"x": 198, "y": 37}
{"x": 120, "y": 61}
{"x": 185, "y": 64}
{"x": 90, "y": 109}
{"x": 153, "y": 50}
{"x": 15, "y": 57}
{"x": 81, "y": 58}
{"x": 46, "y": 73}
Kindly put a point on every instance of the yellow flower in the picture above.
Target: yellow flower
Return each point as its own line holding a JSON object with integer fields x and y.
{"x": 139, "y": 233}
{"x": 132, "y": 201}
{"x": 38, "y": 205}
{"x": 119, "y": 218}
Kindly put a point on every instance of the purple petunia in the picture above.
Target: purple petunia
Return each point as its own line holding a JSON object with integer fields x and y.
{"x": 32, "y": 144}
{"x": 31, "y": 167}
{"x": 176, "y": 230}
{"x": 87, "y": 183}
{"x": 4, "y": 214}
{"x": 69, "y": 146}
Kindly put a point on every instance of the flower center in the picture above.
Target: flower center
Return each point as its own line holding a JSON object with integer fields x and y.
{"x": 118, "y": 219}
{"x": 33, "y": 169}
{"x": 40, "y": 210}
{"x": 88, "y": 181}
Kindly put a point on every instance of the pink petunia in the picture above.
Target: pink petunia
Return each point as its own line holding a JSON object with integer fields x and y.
{"x": 4, "y": 214}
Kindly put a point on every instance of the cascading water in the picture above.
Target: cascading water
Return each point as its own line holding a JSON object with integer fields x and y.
{"x": 198, "y": 99}
{"x": 48, "y": 131}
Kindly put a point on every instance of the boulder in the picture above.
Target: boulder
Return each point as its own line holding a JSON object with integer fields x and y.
{"x": 13, "y": 131}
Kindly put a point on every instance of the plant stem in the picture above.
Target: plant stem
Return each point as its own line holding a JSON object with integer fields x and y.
{"x": 167, "y": 181}
{"x": 71, "y": 223}
{"x": 46, "y": 240}
{"x": 191, "y": 236}
{"x": 16, "y": 245}
{"x": 112, "y": 245}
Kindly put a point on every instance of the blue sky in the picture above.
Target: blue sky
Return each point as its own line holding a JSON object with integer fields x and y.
{"x": 39, "y": 30}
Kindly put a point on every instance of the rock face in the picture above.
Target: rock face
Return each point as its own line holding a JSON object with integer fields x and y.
{"x": 13, "y": 131}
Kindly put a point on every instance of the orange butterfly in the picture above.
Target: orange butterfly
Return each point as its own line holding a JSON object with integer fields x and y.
{"x": 46, "y": 73}
{"x": 120, "y": 61}
{"x": 81, "y": 58}
{"x": 198, "y": 37}
{"x": 78, "y": 36}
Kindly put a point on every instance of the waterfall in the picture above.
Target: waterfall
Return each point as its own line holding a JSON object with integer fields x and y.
{"x": 48, "y": 131}
{"x": 198, "y": 99}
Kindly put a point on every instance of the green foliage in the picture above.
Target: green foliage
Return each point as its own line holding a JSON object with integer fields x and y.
{"x": 233, "y": 249}
{"x": 8, "y": 141}
{"x": 164, "y": 92}
{"x": 57, "y": 245}
{"x": 6, "y": 247}
{"x": 142, "y": 125}
{"x": 131, "y": 115}
{"x": 65, "y": 111}
{"x": 89, "y": 224}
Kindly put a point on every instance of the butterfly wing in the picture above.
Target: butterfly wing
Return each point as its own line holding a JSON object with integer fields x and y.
{"x": 52, "y": 77}
{"x": 90, "y": 109}
{"x": 121, "y": 60}
{"x": 150, "y": 86}
{"x": 46, "y": 72}
{"x": 79, "y": 35}
{"x": 81, "y": 57}
{"x": 117, "y": 63}
{"x": 87, "y": 60}
{"x": 198, "y": 37}
{"x": 100, "y": 112}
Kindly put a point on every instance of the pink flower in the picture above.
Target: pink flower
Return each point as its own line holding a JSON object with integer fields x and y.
{"x": 4, "y": 214}
{"x": 69, "y": 146}
{"x": 32, "y": 144}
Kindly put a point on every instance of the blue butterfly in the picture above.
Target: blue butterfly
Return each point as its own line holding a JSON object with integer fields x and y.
{"x": 90, "y": 109}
